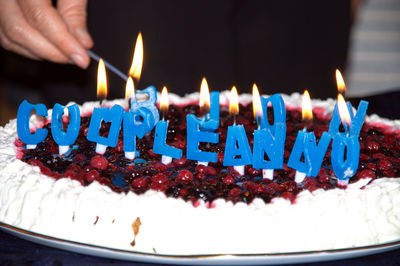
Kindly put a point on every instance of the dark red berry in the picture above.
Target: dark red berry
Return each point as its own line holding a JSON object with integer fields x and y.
{"x": 185, "y": 176}
{"x": 180, "y": 162}
{"x": 229, "y": 180}
{"x": 366, "y": 174}
{"x": 202, "y": 169}
{"x": 159, "y": 178}
{"x": 373, "y": 146}
{"x": 92, "y": 175}
{"x": 211, "y": 171}
{"x": 290, "y": 186}
{"x": 140, "y": 182}
{"x": 254, "y": 172}
{"x": 160, "y": 167}
{"x": 70, "y": 174}
{"x": 200, "y": 176}
{"x": 385, "y": 165}
{"x": 288, "y": 196}
{"x": 35, "y": 162}
{"x": 234, "y": 192}
{"x": 99, "y": 162}
{"x": 364, "y": 157}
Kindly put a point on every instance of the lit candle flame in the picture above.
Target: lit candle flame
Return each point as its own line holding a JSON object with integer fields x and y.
{"x": 234, "y": 102}
{"x": 204, "y": 102}
{"x": 164, "y": 100}
{"x": 341, "y": 86}
{"x": 343, "y": 111}
{"x": 129, "y": 89}
{"x": 101, "y": 81}
{"x": 257, "y": 107}
{"x": 137, "y": 61}
{"x": 306, "y": 107}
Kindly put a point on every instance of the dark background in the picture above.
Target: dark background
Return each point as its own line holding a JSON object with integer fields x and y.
{"x": 283, "y": 46}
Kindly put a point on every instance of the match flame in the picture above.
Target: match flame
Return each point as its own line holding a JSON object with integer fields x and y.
{"x": 341, "y": 86}
{"x": 343, "y": 111}
{"x": 257, "y": 107}
{"x": 137, "y": 61}
{"x": 234, "y": 102}
{"x": 129, "y": 89}
{"x": 204, "y": 102}
{"x": 101, "y": 81}
{"x": 164, "y": 100}
{"x": 306, "y": 107}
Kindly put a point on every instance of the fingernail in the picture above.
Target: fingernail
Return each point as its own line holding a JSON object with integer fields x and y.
{"x": 79, "y": 61}
{"x": 84, "y": 37}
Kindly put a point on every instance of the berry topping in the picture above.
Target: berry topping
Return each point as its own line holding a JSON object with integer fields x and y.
{"x": 190, "y": 181}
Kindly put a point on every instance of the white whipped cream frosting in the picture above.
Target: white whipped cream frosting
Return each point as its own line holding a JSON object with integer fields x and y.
{"x": 94, "y": 214}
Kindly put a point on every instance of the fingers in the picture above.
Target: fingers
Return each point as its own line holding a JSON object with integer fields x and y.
{"x": 14, "y": 47}
{"x": 18, "y": 36}
{"x": 74, "y": 14}
{"x": 43, "y": 17}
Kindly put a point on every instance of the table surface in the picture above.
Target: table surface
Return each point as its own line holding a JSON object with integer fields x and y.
{"x": 14, "y": 250}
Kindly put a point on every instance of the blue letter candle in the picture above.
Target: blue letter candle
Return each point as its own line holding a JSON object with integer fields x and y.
{"x": 62, "y": 138}
{"x": 266, "y": 143}
{"x": 346, "y": 147}
{"x": 343, "y": 168}
{"x": 211, "y": 120}
{"x": 113, "y": 115}
{"x": 313, "y": 154}
{"x": 160, "y": 146}
{"x": 149, "y": 103}
{"x": 279, "y": 109}
{"x": 237, "y": 148}
{"x": 357, "y": 120}
{"x": 270, "y": 139}
{"x": 195, "y": 135}
{"x": 24, "y": 132}
{"x": 136, "y": 124}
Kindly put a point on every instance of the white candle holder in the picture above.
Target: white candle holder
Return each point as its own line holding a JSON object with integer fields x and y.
{"x": 239, "y": 169}
{"x": 130, "y": 155}
{"x": 100, "y": 148}
{"x": 343, "y": 183}
{"x": 202, "y": 163}
{"x": 166, "y": 159}
{"x": 299, "y": 177}
{"x": 63, "y": 149}
{"x": 268, "y": 173}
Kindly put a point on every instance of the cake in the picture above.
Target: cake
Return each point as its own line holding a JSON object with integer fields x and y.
{"x": 188, "y": 209}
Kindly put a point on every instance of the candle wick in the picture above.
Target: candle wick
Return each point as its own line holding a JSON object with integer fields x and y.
{"x": 258, "y": 120}
{"x": 204, "y": 110}
{"x": 346, "y": 127}
{"x": 101, "y": 101}
{"x": 129, "y": 103}
{"x": 234, "y": 119}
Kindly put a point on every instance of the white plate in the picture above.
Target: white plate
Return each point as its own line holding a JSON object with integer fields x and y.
{"x": 223, "y": 259}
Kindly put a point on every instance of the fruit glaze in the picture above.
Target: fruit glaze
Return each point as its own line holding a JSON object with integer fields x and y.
{"x": 183, "y": 178}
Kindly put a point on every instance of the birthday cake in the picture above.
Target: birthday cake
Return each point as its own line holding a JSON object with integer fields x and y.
{"x": 186, "y": 208}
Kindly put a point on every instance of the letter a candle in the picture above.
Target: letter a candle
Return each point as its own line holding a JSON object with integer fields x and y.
{"x": 305, "y": 145}
{"x": 237, "y": 148}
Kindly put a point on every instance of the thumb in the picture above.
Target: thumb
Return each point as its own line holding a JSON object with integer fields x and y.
{"x": 74, "y": 14}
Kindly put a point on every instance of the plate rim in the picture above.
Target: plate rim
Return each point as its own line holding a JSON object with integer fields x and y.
{"x": 377, "y": 248}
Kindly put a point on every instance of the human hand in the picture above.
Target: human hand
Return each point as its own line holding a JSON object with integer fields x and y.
{"x": 36, "y": 29}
